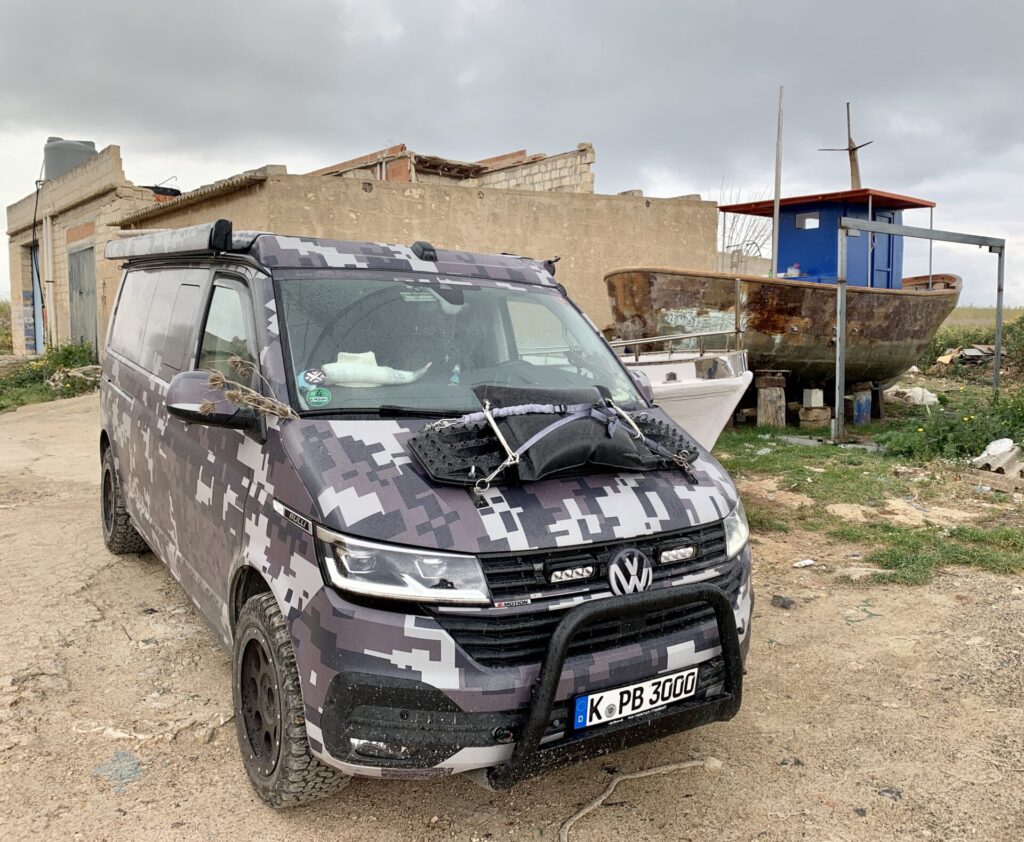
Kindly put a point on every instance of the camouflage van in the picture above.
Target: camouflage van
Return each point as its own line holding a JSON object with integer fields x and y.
{"x": 438, "y": 525}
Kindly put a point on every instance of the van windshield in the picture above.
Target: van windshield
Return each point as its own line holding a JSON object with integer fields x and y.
{"x": 364, "y": 343}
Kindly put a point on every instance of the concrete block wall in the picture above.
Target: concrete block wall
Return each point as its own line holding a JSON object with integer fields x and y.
{"x": 593, "y": 234}
{"x": 568, "y": 172}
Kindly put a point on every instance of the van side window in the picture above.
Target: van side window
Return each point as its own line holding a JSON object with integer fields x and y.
{"x": 175, "y": 357}
{"x": 155, "y": 317}
{"x": 229, "y": 330}
{"x": 133, "y": 308}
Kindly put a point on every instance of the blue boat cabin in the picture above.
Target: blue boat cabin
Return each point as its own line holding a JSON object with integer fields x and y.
{"x": 809, "y": 236}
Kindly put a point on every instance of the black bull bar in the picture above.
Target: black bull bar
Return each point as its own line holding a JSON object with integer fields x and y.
{"x": 529, "y": 759}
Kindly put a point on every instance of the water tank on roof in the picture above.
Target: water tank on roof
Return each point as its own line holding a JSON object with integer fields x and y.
{"x": 61, "y": 156}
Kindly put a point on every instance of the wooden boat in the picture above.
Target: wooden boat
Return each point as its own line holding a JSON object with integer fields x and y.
{"x": 787, "y": 324}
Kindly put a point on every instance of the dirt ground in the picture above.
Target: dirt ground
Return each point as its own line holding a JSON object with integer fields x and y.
{"x": 870, "y": 712}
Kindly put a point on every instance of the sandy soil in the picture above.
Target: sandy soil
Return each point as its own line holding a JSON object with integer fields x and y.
{"x": 869, "y": 712}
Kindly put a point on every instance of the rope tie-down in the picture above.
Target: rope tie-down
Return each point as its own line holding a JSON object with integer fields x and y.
{"x": 671, "y": 450}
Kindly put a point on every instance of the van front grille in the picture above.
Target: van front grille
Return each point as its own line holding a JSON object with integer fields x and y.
{"x": 505, "y": 638}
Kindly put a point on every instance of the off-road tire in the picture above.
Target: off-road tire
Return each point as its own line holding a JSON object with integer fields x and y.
{"x": 118, "y": 532}
{"x": 290, "y": 776}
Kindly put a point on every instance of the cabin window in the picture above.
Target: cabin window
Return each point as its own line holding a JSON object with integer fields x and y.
{"x": 807, "y": 221}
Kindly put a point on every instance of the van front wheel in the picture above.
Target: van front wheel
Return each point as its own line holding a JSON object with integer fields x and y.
{"x": 118, "y": 532}
{"x": 269, "y": 718}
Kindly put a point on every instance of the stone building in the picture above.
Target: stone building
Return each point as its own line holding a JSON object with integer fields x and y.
{"x": 567, "y": 172}
{"x": 62, "y": 289}
{"x": 537, "y": 205}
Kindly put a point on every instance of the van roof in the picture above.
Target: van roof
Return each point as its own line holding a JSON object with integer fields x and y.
{"x": 277, "y": 251}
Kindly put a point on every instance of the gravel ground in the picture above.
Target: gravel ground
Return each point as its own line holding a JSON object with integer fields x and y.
{"x": 870, "y": 712}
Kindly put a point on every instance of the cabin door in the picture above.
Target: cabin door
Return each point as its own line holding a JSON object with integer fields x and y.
{"x": 881, "y": 253}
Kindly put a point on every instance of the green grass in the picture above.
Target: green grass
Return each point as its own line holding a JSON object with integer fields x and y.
{"x": 6, "y": 345}
{"x": 911, "y": 555}
{"x": 981, "y": 316}
{"x": 763, "y": 520}
{"x": 827, "y": 474}
{"x": 28, "y": 383}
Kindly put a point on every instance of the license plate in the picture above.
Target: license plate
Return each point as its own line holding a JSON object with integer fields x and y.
{"x": 609, "y": 705}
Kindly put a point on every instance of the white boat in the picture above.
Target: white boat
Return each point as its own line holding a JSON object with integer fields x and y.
{"x": 700, "y": 391}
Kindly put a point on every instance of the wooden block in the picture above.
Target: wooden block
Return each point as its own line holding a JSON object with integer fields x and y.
{"x": 861, "y": 407}
{"x": 877, "y": 405}
{"x": 815, "y": 416}
{"x": 771, "y": 407}
{"x": 770, "y": 381}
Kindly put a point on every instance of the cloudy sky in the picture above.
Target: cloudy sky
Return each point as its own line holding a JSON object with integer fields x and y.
{"x": 676, "y": 97}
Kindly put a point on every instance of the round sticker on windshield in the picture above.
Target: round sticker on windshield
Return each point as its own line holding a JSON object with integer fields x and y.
{"x": 319, "y": 397}
{"x": 314, "y": 377}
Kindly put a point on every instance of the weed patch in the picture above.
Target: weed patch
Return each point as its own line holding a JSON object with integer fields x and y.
{"x": 912, "y": 555}
{"x": 28, "y": 383}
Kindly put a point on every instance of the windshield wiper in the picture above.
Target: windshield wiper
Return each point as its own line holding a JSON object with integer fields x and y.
{"x": 390, "y": 410}
{"x": 385, "y": 411}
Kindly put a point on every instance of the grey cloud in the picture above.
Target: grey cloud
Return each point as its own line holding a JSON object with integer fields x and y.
{"x": 681, "y": 88}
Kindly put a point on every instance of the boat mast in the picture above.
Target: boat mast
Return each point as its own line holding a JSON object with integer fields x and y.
{"x": 778, "y": 191}
{"x": 851, "y": 148}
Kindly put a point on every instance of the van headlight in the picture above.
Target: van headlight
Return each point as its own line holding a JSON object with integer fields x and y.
{"x": 736, "y": 530}
{"x": 383, "y": 570}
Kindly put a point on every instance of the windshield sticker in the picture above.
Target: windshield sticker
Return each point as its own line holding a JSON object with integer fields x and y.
{"x": 319, "y": 397}
{"x": 416, "y": 295}
{"x": 313, "y": 377}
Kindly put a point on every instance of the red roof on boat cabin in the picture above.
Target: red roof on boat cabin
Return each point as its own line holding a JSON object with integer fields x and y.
{"x": 880, "y": 200}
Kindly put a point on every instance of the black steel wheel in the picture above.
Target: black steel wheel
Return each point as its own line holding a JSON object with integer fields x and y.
{"x": 261, "y": 708}
{"x": 119, "y": 534}
{"x": 269, "y": 715}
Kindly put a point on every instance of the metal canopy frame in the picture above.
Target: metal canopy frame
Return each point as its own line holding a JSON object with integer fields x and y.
{"x": 850, "y": 227}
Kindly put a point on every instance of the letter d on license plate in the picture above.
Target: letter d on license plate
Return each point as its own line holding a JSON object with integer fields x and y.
{"x": 609, "y": 705}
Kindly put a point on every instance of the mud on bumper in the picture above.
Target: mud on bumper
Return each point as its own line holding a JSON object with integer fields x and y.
{"x": 404, "y": 727}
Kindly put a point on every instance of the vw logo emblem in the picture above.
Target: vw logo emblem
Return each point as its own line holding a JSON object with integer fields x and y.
{"x": 629, "y": 571}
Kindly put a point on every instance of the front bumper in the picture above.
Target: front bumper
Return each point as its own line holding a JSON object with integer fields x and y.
{"x": 529, "y": 758}
{"x": 435, "y": 712}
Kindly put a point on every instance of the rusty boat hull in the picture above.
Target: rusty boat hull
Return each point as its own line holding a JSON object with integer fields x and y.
{"x": 786, "y": 324}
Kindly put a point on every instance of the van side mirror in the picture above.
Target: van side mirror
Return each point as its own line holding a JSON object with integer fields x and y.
{"x": 643, "y": 383}
{"x": 190, "y": 391}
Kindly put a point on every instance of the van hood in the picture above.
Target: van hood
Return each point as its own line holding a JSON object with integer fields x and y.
{"x": 365, "y": 484}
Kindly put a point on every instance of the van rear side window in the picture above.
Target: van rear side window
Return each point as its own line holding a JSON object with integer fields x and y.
{"x": 155, "y": 315}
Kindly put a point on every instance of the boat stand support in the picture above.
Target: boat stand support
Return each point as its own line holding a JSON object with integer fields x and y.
{"x": 851, "y": 227}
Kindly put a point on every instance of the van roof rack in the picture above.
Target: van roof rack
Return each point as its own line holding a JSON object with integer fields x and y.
{"x": 196, "y": 239}
{"x": 275, "y": 252}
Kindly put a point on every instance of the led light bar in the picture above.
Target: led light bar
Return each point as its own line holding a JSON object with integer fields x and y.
{"x": 571, "y": 574}
{"x": 678, "y": 554}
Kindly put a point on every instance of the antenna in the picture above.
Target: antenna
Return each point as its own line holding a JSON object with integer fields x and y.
{"x": 851, "y": 148}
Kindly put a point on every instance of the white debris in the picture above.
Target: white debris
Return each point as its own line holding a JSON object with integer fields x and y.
{"x": 912, "y": 395}
{"x": 998, "y": 447}
{"x": 805, "y": 562}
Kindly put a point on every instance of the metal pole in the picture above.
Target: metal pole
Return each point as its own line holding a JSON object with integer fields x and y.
{"x": 931, "y": 224}
{"x": 871, "y": 244}
{"x": 721, "y": 253}
{"x": 739, "y": 334}
{"x": 999, "y": 321}
{"x": 839, "y": 422}
{"x": 778, "y": 191}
